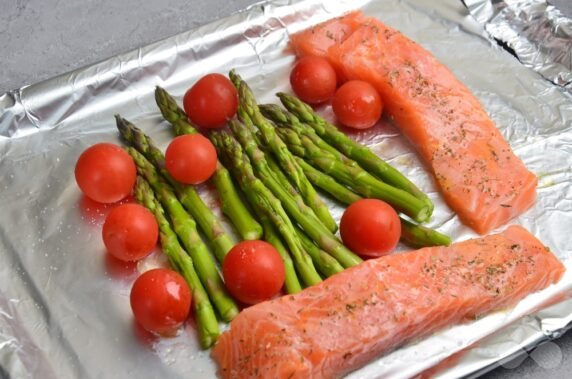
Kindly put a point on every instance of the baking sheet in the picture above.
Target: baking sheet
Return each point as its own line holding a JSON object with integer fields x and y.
{"x": 64, "y": 304}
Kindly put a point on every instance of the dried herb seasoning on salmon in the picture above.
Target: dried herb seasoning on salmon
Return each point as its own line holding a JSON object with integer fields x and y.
{"x": 353, "y": 317}
{"x": 481, "y": 178}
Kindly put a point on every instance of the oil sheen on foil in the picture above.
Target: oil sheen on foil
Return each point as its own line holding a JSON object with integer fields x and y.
{"x": 64, "y": 304}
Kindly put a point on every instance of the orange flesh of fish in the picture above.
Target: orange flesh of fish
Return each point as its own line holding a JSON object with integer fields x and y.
{"x": 355, "y": 316}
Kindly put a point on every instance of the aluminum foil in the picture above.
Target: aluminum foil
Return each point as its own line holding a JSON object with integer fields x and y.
{"x": 64, "y": 303}
{"x": 538, "y": 32}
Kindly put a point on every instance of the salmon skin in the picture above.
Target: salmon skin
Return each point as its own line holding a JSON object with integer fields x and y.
{"x": 339, "y": 325}
{"x": 476, "y": 170}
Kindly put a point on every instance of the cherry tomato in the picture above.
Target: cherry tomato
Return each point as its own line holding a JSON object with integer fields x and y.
{"x": 130, "y": 232}
{"x": 253, "y": 271}
{"x": 191, "y": 159}
{"x": 105, "y": 173}
{"x": 370, "y": 227}
{"x": 357, "y": 104}
{"x": 160, "y": 300}
{"x": 211, "y": 102}
{"x": 313, "y": 79}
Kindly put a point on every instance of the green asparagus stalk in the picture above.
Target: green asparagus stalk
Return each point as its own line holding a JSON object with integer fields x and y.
{"x": 188, "y": 196}
{"x": 421, "y": 236}
{"x": 185, "y": 227}
{"x": 299, "y": 211}
{"x": 355, "y": 177}
{"x": 207, "y": 325}
{"x": 258, "y": 194}
{"x": 291, "y": 282}
{"x": 352, "y": 149}
{"x": 231, "y": 202}
{"x": 328, "y": 184}
{"x": 248, "y": 106}
{"x": 324, "y": 262}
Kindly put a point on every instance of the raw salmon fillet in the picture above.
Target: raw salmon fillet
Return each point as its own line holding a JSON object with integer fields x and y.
{"x": 335, "y": 327}
{"x": 477, "y": 172}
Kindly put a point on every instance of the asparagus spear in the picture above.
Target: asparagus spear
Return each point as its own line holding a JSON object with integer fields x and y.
{"x": 188, "y": 196}
{"x": 185, "y": 227}
{"x": 411, "y": 234}
{"x": 328, "y": 184}
{"x": 258, "y": 194}
{"x": 325, "y": 263}
{"x": 355, "y": 177}
{"x": 207, "y": 325}
{"x": 421, "y": 236}
{"x": 231, "y": 202}
{"x": 299, "y": 211}
{"x": 361, "y": 154}
{"x": 248, "y": 106}
{"x": 291, "y": 282}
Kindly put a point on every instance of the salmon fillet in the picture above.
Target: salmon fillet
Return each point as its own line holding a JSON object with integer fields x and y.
{"x": 335, "y": 327}
{"x": 475, "y": 168}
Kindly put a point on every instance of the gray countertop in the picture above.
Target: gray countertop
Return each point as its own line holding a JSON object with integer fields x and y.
{"x": 43, "y": 38}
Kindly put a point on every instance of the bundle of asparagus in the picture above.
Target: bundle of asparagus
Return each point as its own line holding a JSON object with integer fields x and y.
{"x": 207, "y": 325}
{"x": 158, "y": 191}
{"x": 276, "y": 156}
{"x": 352, "y": 149}
{"x": 331, "y": 161}
{"x": 232, "y": 205}
{"x": 248, "y": 110}
{"x": 266, "y": 204}
{"x": 327, "y": 168}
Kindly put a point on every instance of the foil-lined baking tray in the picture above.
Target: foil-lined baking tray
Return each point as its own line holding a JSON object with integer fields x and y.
{"x": 64, "y": 304}
{"x": 538, "y": 32}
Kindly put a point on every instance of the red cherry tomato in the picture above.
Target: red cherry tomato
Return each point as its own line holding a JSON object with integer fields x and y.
{"x": 105, "y": 173}
{"x": 313, "y": 79}
{"x": 160, "y": 300}
{"x": 370, "y": 228}
{"x": 253, "y": 271}
{"x": 211, "y": 102}
{"x": 130, "y": 232}
{"x": 357, "y": 104}
{"x": 191, "y": 159}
